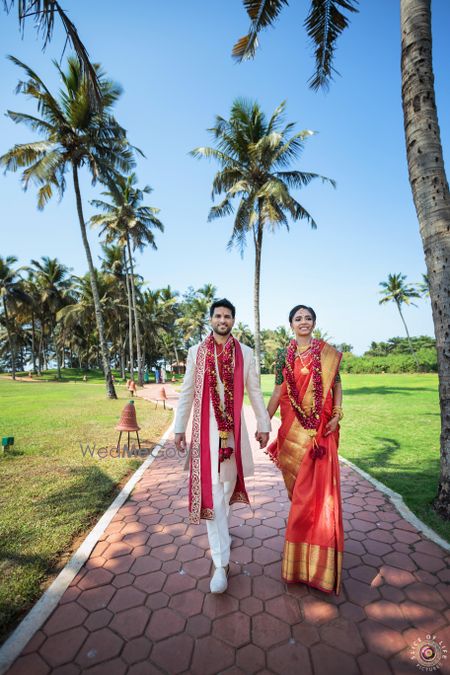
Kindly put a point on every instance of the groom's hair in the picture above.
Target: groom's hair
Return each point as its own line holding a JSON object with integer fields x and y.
{"x": 222, "y": 303}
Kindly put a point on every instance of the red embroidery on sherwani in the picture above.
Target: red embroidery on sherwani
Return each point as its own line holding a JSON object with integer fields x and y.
{"x": 195, "y": 495}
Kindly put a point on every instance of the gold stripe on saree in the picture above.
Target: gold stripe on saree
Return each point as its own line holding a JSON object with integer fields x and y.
{"x": 321, "y": 566}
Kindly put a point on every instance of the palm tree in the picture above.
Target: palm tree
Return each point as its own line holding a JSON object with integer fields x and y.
{"x": 424, "y": 286}
{"x": 396, "y": 290}
{"x": 114, "y": 264}
{"x": 52, "y": 283}
{"x": 194, "y": 319}
{"x": 79, "y": 314}
{"x": 12, "y": 294}
{"x": 75, "y": 135}
{"x": 43, "y": 13}
{"x": 243, "y": 333}
{"x": 127, "y": 221}
{"x": 324, "y": 24}
{"x": 33, "y": 306}
{"x": 254, "y": 154}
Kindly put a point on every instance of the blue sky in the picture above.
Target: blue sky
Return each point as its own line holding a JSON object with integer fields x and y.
{"x": 173, "y": 61}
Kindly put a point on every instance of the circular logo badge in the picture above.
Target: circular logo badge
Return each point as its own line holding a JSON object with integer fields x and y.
{"x": 428, "y": 653}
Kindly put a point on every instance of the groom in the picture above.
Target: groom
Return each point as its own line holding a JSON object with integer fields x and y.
{"x": 217, "y": 371}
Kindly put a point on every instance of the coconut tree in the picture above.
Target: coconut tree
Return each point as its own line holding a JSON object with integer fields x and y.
{"x": 243, "y": 333}
{"x": 114, "y": 264}
{"x": 255, "y": 154}
{"x": 194, "y": 319}
{"x": 79, "y": 312}
{"x": 52, "y": 282}
{"x": 74, "y": 135}
{"x": 43, "y": 13}
{"x": 12, "y": 294}
{"x": 34, "y": 307}
{"x": 424, "y": 286}
{"x": 126, "y": 220}
{"x": 396, "y": 290}
{"x": 324, "y": 24}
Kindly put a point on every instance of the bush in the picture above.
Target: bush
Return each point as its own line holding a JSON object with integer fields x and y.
{"x": 391, "y": 363}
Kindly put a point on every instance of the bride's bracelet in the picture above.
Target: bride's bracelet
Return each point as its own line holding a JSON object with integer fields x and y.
{"x": 338, "y": 411}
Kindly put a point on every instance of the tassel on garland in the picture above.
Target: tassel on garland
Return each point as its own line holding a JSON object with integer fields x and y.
{"x": 225, "y": 452}
{"x": 317, "y": 451}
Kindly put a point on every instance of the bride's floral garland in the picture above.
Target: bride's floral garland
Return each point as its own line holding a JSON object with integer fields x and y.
{"x": 310, "y": 421}
{"x": 224, "y": 415}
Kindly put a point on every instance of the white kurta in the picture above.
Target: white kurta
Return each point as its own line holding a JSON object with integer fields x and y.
{"x": 253, "y": 389}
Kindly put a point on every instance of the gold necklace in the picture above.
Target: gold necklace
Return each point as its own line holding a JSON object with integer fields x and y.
{"x": 302, "y": 351}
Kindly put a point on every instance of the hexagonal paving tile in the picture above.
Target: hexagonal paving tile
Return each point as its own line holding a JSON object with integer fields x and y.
{"x": 208, "y": 653}
{"x": 65, "y": 617}
{"x": 233, "y": 629}
{"x": 102, "y": 645}
{"x": 63, "y": 647}
{"x": 164, "y": 623}
{"x": 96, "y": 598}
{"x": 326, "y": 659}
{"x": 131, "y": 623}
{"x": 268, "y": 631}
{"x": 381, "y": 639}
{"x": 291, "y": 657}
{"x": 174, "y": 654}
{"x": 188, "y": 603}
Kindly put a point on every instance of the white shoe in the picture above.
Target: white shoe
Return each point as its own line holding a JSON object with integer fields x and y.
{"x": 219, "y": 582}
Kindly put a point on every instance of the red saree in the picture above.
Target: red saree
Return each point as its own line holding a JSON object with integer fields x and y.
{"x": 314, "y": 540}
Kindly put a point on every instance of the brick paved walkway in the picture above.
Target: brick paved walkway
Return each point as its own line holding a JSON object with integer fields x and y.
{"x": 141, "y": 605}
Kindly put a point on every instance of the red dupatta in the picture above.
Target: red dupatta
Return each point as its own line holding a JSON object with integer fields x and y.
{"x": 200, "y": 484}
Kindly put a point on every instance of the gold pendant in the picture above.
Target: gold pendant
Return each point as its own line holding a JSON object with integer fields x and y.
{"x": 304, "y": 370}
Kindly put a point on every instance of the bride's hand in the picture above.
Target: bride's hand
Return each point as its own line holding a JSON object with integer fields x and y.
{"x": 332, "y": 425}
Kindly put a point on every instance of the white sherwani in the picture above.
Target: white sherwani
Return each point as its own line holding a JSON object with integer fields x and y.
{"x": 252, "y": 386}
{"x": 223, "y": 483}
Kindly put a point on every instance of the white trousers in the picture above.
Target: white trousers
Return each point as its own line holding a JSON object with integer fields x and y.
{"x": 218, "y": 532}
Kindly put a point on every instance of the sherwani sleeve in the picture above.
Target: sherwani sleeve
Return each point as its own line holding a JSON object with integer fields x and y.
{"x": 256, "y": 398}
{"x": 186, "y": 395}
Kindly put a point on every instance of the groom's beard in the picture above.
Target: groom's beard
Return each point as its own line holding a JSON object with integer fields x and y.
{"x": 226, "y": 330}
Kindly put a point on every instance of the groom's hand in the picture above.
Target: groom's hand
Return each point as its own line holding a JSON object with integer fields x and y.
{"x": 180, "y": 441}
{"x": 262, "y": 437}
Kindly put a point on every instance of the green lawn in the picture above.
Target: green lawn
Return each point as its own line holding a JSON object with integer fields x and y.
{"x": 49, "y": 492}
{"x": 72, "y": 375}
{"x": 391, "y": 430}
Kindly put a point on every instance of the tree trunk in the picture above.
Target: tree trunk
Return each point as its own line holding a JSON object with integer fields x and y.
{"x": 258, "y": 237}
{"x": 431, "y": 198}
{"x": 57, "y": 354}
{"x": 12, "y": 348}
{"x": 130, "y": 316}
{"x": 111, "y": 392}
{"x": 408, "y": 336}
{"x": 136, "y": 320}
{"x": 33, "y": 342}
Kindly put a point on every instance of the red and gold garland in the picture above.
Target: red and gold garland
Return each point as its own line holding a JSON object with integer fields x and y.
{"x": 224, "y": 414}
{"x": 309, "y": 421}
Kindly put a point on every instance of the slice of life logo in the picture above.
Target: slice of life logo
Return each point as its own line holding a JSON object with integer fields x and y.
{"x": 428, "y": 653}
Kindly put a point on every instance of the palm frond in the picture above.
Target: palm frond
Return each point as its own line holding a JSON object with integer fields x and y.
{"x": 262, "y": 13}
{"x": 225, "y": 208}
{"x": 299, "y": 179}
{"x": 324, "y": 24}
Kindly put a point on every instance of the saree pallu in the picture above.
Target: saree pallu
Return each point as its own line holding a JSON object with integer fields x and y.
{"x": 314, "y": 540}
